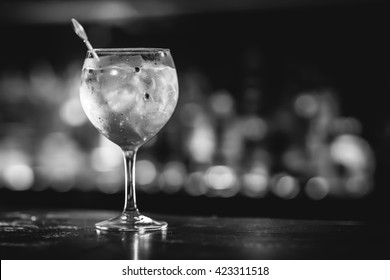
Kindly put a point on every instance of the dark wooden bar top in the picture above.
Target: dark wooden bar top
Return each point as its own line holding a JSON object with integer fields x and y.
{"x": 70, "y": 234}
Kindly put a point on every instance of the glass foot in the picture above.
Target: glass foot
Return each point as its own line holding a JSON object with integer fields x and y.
{"x": 131, "y": 222}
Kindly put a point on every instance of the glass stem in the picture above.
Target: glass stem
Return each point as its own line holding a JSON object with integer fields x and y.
{"x": 130, "y": 199}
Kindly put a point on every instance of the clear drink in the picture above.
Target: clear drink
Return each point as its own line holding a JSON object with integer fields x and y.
{"x": 128, "y": 100}
{"x": 129, "y": 95}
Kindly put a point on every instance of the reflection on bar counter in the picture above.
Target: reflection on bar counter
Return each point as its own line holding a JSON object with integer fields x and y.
{"x": 218, "y": 143}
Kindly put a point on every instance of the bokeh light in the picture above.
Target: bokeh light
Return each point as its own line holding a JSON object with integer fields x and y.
{"x": 110, "y": 182}
{"x": 145, "y": 174}
{"x": 220, "y": 177}
{"x": 306, "y": 105}
{"x": 254, "y": 128}
{"x": 173, "y": 177}
{"x": 18, "y": 177}
{"x": 358, "y": 186}
{"x": 72, "y": 113}
{"x": 107, "y": 156}
{"x": 255, "y": 182}
{"x": 285, "y": 186}
{"x": 352, "y": 152}
{"x": 195, "y": 184}
{"x": 317, "y": 188}
{"x": 201, "y": 143}
{"x": 222, "y": 103}
{"x": 60, "y": 160}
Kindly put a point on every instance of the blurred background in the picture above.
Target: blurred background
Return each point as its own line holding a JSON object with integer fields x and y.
{"x": 282, "y": 108}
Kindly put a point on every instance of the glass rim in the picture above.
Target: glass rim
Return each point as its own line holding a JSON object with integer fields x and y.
{"x": 129, "y": 50}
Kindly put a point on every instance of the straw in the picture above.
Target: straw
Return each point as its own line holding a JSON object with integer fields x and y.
{"x": 81, "y": 33}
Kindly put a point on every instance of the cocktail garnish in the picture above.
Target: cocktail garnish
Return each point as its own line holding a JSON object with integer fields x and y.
{"x": 81, "y": 33}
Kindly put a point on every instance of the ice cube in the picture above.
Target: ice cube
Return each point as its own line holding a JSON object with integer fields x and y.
{"x": 113, "y": 61}
{"x": 161, "y": 99}
{"x": 104, "y": 61}
{"x": 123, "y": 98}
{"x": 134, "y": 61}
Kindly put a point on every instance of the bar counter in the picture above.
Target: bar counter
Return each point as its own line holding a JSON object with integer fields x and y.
{"x": 70, "y": 234}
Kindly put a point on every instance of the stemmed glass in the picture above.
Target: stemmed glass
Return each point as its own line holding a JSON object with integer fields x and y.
{"x": 129, "y": 95}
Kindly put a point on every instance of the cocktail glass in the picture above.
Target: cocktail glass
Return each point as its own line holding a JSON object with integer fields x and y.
{"x": 129, "y": 95}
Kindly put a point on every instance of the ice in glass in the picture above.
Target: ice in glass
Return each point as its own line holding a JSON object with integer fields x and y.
{"x": 129, "y": 95}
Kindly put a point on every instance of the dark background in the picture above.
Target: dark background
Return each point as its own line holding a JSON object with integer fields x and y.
{"x": 279, "y": 49}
